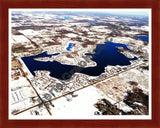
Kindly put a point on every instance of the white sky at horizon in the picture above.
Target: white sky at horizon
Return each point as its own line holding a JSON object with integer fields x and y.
{"x": 111, "y": 11}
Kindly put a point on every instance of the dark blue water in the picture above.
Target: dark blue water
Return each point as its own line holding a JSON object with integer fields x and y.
{"x": 144, "y": 38}
{"x": 105, "y": 54}
{"x": 92, "y": 22}
{"x": 44, "y": 54}
{"x": 70, "y": 45}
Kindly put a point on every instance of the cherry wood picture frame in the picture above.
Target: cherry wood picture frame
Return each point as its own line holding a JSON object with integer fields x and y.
{"x": 5, "y": 5}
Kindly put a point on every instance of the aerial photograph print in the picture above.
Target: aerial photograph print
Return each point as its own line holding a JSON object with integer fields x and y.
{"x": 79, "y": 63}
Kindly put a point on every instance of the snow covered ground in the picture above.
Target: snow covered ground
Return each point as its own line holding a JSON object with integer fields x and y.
{"x": 80, "y": 107}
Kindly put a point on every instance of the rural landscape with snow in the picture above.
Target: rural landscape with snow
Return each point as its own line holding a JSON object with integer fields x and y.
{"x": 79, "y": 64}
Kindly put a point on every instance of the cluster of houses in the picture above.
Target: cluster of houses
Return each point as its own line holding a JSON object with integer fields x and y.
{"x": 113, "y": 70}
{"x": 43, "y": 81}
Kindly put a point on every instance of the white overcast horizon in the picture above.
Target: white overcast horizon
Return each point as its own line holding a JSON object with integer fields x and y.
{"x": 111, "y": 11}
